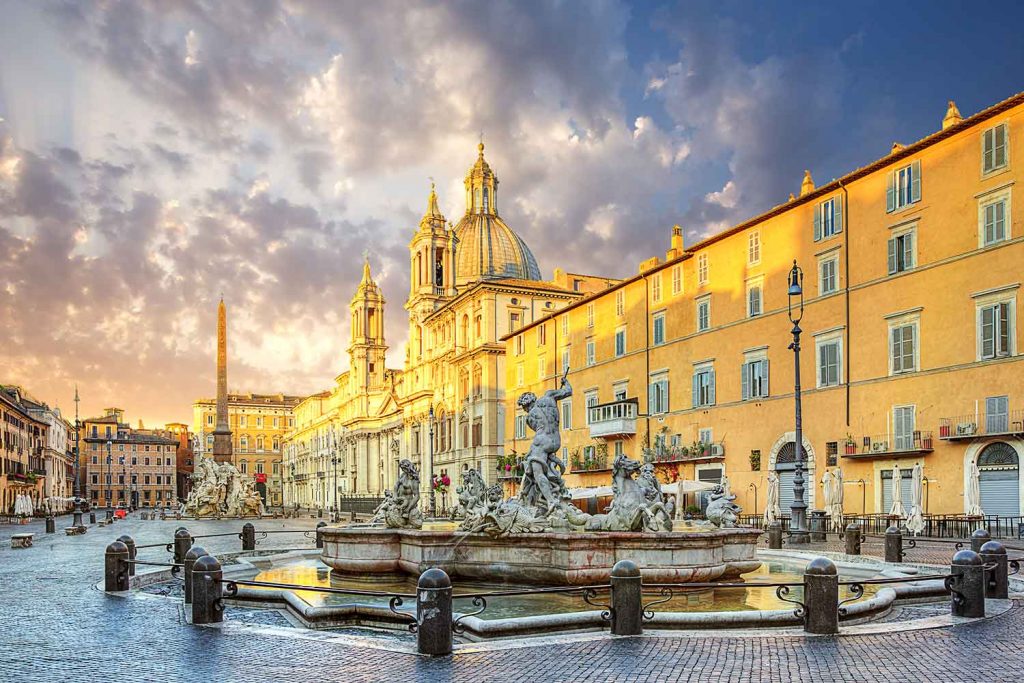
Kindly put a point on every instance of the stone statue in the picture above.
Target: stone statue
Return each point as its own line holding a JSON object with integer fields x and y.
{"x": 378, "y": 513}
{"x": 638, "y": 505}
{"x": 722, "y": 511}
{"x": 472, "y": 495}
{"x": 542, "y": 485}
{"x": 221, "y": 491}
{"x": 503, "y": 517}
{"x": 401, "y": 509}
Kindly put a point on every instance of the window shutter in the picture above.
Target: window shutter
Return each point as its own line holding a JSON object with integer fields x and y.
{"x": 897, "y": 337}
{"x": 909, "y": 357}
{"x": 745, "y": 380}
{"x": 999, "y": 146}
{"x": 1003, "y": 326}
{"x": 817, "y": 222}
{"x": 908, "y": 251}
{"x": 711, "y": 387}
{"x": 696, "y": 392}
{"x": 837, "y": 213}
{"x": 988, "y": 337}
{"x": 915, "y": 187}
{"x": 890, "y": 193}
{"x": 892, "y": 255}
{"x": 764, "y": 387}
{"x": 999, "y": 221}
{"x": 664, "y": 395}
{"x": 650, "y": 399}
{"x": 988, "y": 150}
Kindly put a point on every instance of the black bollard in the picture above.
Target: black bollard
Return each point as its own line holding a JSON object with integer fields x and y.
{"x": 319, "y": 535}
{"x": 115, "y": 576}
{"x": 182, "y": 542}
{"x": 92, "y": 518}
{"x": 627, "y": 599}
{"x": 206, "y": 591}
{"x": 979, "y": 538}
{"x": 969, "y": 584}
{"x": 821, "y": 597}
{"x": 193, "y": 554}
{"x": 434, "y": 613}
{"x": 320, "y": 512}
{"x": 248, "y": 536}
{"x": 852, "y": 538}
{"x": 130, "y": 543}
{"x": 893, "y": 544}
{"x": 775, "y": 536}
{"x": 997, "y": 579}
{"x": 818, "y": 523}
{"x": 51, "y": 525}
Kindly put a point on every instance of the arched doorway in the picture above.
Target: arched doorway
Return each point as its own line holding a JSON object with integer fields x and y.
{"x": 999, "y": 479}
{"x": 783, "y": 461}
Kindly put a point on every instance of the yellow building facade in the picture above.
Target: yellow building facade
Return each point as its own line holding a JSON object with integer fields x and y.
{"x": 910, "y": 346}
{"x": 469, "y": 285}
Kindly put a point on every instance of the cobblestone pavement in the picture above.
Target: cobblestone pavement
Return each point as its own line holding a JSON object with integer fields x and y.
{"x": 56, "y": 626}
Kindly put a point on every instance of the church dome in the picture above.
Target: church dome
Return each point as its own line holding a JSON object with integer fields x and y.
{"x": 487, "y": 248}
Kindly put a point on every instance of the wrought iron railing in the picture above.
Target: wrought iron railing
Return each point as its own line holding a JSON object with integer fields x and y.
{"x": 973, "y": 425}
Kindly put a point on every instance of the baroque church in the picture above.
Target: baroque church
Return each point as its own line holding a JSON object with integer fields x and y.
{"x": 469, "y": 285}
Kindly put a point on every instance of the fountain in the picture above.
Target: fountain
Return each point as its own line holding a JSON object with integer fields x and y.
{"x": 221, "y": 491}
{"x": 539, "y": 536}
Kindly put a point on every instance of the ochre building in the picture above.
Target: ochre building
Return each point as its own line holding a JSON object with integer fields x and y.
{"x": 910, "y": 346}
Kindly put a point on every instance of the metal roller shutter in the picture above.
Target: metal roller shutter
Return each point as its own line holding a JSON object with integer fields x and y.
{"x": 1000, "y": 492}
{"x": 785, "y": 490}
{"x": 905, "y": 484}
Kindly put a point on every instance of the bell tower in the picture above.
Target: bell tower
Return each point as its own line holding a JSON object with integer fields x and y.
{"x": 432, "y": 270}
{"x": 367, "y": 349}
{"x": 481, "y": 187}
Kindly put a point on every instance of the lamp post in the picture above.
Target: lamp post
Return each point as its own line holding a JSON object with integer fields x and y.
{"x": 107, "y": 493}
{"x": 77, "y": 519}
{"x": 334, "y": 462}
{"x": 798, "y": 509}
{"x": 430, "y": 460}
{"x": 124, "y": 483}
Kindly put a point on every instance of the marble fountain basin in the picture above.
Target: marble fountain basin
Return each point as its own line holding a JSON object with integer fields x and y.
{"x": 550, "y": 558}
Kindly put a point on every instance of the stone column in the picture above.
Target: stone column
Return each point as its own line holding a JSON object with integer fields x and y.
{"x": 979, "y": 538}
{"x": 206, "y": 591}
{"x": 627, "y": 596}
{"x": 775, "y": 536}
{"x": 893, "y": 544}
{"x": 852, "y": 538}
{"x": 130, "y": 543}
{"x": 182, "y": 542}
{"x": 193, "y": 554}
{"x": 434, "y": 613}
{"x": 115, "y": 575}
{"x": 969, "y": 584}
{"x": 818, "y": 522}
{"x": 320, "y": 536}
{"x": 248, "y": 536}
{"x": 821, "y": 597}
{"x": 997, "y": 579}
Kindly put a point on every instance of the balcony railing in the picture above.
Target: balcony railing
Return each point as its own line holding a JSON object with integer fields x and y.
{"x": 589, "y": 463}
{"x": 887, "y": 445}
{"x": 612, "y": 419}
{"x": 676, "y": 454}
{"x": 975, "y": 425}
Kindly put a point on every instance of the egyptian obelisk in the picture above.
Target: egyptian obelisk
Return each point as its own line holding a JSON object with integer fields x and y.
{"x": 222, "y": 431}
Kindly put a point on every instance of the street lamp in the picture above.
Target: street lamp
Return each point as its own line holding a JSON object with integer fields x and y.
{"x": 798, "y": 509}
{"x": 124, "y": 482}
{"x": 77, "y": 519}
{"x": 107, "y": 493}
{"x": 430, "y": 460}
{"x": 335, "y": 459}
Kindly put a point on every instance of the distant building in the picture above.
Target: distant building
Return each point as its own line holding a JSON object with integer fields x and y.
{"x": 183, "y": 456}
{"x": 58, "y": 453}
{"x": 21, "y": 451}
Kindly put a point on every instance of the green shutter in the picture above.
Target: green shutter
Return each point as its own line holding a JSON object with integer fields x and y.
{"x": 999, "y": 148}
{"x": 988, "y": 150}
{"x": 745, "y": 380}
{"x": 711, "y": 387}
{"x": 988, "y": 336}
{"x": 651, "y": 408}
{"x": 817, "y": 222}
{"x": 696, "y": 394}
{"x": 892, "y": 255}
{"x": 1003, "y": 325}
{"x": 915, "y": 186}
{"x": 764, "y": 386}
{"x": 890, "y": 192}
{"x": 908, "y": 251}
{"x": 909, "y": 362}
{"x": 837, "y": 215}
{"x": 897, "y": 336}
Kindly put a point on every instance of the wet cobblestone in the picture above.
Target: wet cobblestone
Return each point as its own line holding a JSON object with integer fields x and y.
{"x": 57, "y": 626}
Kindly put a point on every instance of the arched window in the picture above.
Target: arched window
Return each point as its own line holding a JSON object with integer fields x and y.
{"x": 465, "y": 330}
{"x": 998, "y": 454}
{"x": 478, "y": 376}
{"x": 487, "y": 201}
{"x": 478, "y": 201}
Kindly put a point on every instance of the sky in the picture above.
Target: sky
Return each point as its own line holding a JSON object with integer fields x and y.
{"x": 157, "y": 154}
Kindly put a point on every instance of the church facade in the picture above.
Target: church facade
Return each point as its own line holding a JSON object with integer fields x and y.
{"x": 469, "y": 285}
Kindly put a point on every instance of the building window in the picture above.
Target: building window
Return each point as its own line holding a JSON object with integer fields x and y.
{"x": 657, "y": 396}
{"x": 209, "y": 421}
{"x": 565, "y": 325}
{"x": 590, "y": 315}
{"x": 754, "y": 380}
{"x": 542, "y": 367}
{"x": 904, "y": 187}
{"x": 703, "y": 386}
{"x": 828, "y": 219}
{"x": 656, "y": 287}
{"x": 565, "y": 359}
{"x": 513, "y": 321}
{"x": 620, "y": 342}
{"x": 590, "y": 401}
{"x": 903, "y": 348}
{"x": 620, "y": 303}
{"x": 828, "y": 278}
{"x": 241, "y": 420}
{"x": 677, "y": 279}
{"x": 542, "y": 335}
{"x": 994, "y": 148}
{"x": 703, "y": 314}
{"x": 705, "y": 435}
{"x": 754, "y": 300}
{"x": 520, "y": 426}
{"x": 829, "y": 359}
{"x": 995, "y": 330}
{"x": 903, "y": 427}
{"x": 992, "y": 215}
{"x": 901, "y": 252}
{"x": 619, "y": 448}
{"x": 519, "y": 375}
{"x": 659, "y": 329}
{"x": 520, "y": 345}
{"x": 567, "y": 413}
{"x": 831, "y": 453}
{"x": 997, "y": 414}
{"x": 702, "y": 269}
{"x": 590, "y": 352}
{"x": 754, "y": 248}
{"x": 619, "y": 390}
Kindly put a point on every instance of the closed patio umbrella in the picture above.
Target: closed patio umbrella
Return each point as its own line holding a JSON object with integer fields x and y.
{"x": 834, "y": 500}
{"x": 897, "y": 509}
{"x": 771, "y": 510}
{"x": 915, "y": 521}
{"x": 973, "y": 502}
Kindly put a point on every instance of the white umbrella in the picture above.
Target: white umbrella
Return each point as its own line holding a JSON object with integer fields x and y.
{"x": 973, "y": 502}
{"x": 828, "y": 489}
{"x": 771, "y": 509}
{"x": 897, "y": 509}
{"x": 915, "y": 521}
{"x": 837, "y": 512}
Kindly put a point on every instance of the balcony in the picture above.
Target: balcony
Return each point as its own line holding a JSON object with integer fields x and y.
{"x": 698, "y": 452}
{"x": 596, "y": 462}
{"x": 981, "y": 425}
{"x": 612, "y": 420}
{"x": 888, "y": 446}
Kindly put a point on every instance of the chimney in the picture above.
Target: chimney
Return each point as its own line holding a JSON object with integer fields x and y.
{"x": 677, "y": 248}
{"x": 952, "y": 116}
{"x": 807, "y": 186}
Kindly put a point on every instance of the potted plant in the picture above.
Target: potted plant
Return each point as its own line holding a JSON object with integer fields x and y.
{"x": 851, "y": 445}
{"x": 926, "y": 441}
{"x": 755, "y": 461}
